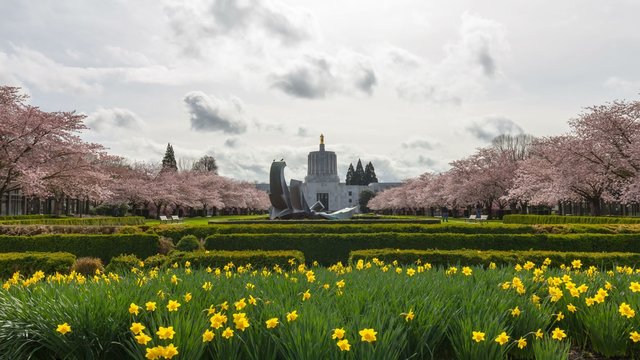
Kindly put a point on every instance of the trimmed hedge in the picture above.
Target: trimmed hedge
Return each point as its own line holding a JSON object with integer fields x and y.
{"x": 24, "y": 217}
{"x": 218, "y": 259}
{"x": 102, "y": 246}
{"x": 328, "y": 249}
{"x": 30, "y": 262}
{"x": 557, "y": 219}
{"x": 214, "y": 259}
{"x": 61, "y": 229}
{"x": 474, "y": 257}
{"x": 129, "y": 220}
{"x": 176, "y": 232}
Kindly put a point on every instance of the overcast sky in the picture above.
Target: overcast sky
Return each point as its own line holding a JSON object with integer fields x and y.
{"x": 407, "y": 84}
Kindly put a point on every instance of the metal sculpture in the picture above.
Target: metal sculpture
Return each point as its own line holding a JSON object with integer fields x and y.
{"x": 288, "y": 202}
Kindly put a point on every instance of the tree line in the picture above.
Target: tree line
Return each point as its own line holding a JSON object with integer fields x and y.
{"x": 597, "y": 161}
{"x": 42, "y": 155}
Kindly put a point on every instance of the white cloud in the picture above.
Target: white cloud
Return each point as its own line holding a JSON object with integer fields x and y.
{"x": 487, "y": 128}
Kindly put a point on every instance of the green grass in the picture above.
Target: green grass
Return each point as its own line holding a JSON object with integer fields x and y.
{"x": 205, "y": 220}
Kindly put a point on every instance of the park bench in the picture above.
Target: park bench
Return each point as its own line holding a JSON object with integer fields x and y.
{"x": 164, "y": 219}
{"x": 473, "y": 218}
{"x": 176, "y": 218}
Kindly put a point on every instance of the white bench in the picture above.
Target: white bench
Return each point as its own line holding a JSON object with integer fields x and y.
{"x": 176, "y": 218}
{"x": 164, "y": 219}
{"x": 473, "y": 218}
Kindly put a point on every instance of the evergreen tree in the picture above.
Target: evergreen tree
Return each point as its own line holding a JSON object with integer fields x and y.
{"x": 349, "y": 179}
{"x": 206, "y": 163}
{"x": 364, "y": 198}
{"x": 358, "y": 175}
{"x": 169, "y": 160}
{"x": 370, "y": 174}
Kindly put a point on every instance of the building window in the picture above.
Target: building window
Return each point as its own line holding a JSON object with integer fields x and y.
{"x": 324, "y": 199}
{"x": 349, "y": 201}
{"x": 350, "y": 193}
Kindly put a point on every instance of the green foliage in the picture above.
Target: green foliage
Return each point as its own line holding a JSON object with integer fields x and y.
{"x": 158, "y": 260}
{"x": 549, "y": 349}
{"x": 257, "y": 259}
{"x": 102, "y": 246}
{"x": 484, "y": 258}
{"x": 87, "y": 266}
{"x": 169, "y": 159}
{"x": 123, "y": 263}
{"x": 93, "y": 221}
{"x": 331, "y": 248}
{"x": 24, "y": 217}
{"x": 188, "y": 243}
{"x": 29, "y": 263}
{"x": 557, "y": 219}
{"x": 365, "y": 196}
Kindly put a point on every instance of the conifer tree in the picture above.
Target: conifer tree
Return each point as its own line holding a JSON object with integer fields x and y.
{"x": 349, "y": 178}
{"x": 169, "y": 160}
{"x": 370, "y": 174}
{"x": 358, "y": 175}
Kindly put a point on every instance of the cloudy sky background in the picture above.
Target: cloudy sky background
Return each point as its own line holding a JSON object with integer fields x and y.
{"x": 407, "y": 84}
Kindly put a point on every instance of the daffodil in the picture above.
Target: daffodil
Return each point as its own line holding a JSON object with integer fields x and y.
{"x": 272, "y": 323}
{"x": 338, "y": 333}
{"x": 292, "y": 316}
{"x": 63, "y": 328}
{"x": 207, "y": 336}
{"x": 165, "y": 332}
{"x": 558, "y": 334}
{"x": 142, "y": 338}
{"x": 134, "y": 309}
{"x": 634, "y": 336}
{"x": 150, "y": 306}
{"x": 502, "y": 339}
{"x": 522, "y": 343}
{"x": 173, "y": 305}
{"x": 477, "y": 336}
{"x": 368, "y": 335}
{"x": 227, "y": 333}
{"x": 344, "y": 345}
{"x": 136, "y": 328}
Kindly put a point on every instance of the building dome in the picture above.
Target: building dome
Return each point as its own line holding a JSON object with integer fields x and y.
{"x": 322, "y": 165}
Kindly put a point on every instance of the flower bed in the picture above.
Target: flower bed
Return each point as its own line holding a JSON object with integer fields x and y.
{"x": 373, "y": 310}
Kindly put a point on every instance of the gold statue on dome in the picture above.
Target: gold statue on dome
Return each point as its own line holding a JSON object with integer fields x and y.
{"x": 321, "y": 139}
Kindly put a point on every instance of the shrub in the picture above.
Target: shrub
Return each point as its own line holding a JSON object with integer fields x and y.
{"x": 328, "y": 249}
{"x": 123, "y": 263}
{"x": 558, "y": 219}
{"x": 218, "y": 259}
{"x": 165, "y": 245}
{"x": 102, "y": 246}
{"x": 188, "y": 243}
{"x": 30, "y": 262}
{"x": 159, "y": 261}
{"x": 474, "y": 257}
{"x": 87, "y": 265}
{"x": 130, "y": 220}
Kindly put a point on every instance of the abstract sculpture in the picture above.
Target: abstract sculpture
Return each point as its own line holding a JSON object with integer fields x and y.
{"x": 288, "y": 202}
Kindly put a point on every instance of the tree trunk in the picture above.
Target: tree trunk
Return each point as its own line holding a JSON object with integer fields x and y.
{"x": 594, "y": 206}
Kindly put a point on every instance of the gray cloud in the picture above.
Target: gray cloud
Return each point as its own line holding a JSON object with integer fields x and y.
{"x": 315, "y": 76}
{"x": 108, "y": 119}
{"x": 208, "y": 113}
{"x": 487, "y": 62}
{"x": 429, "y": 162}
{"x": 302, "y": 132}
{"x": 418, "y": 144}
{"x": 488, "y": 128}
{"x": 231, "y": 143}
{"x": 246, "y": 20}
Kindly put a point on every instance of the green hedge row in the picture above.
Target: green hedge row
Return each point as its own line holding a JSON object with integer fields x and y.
{"x": 213, "y": 259}
{"x": 29, "y": 263}
{"x": 101, "y": 246}
{"x": 176, "y": 232}
{"x": 24, "y": 217}
{"x": 62, "y": 229}
{"x": 331, "y": 248}
{"x": 473, "y": 257}
{"x": 129, "y": 220}
{"x": 557, "y": 219}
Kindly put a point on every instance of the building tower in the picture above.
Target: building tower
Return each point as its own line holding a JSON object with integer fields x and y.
{"x": 322, "y": 166}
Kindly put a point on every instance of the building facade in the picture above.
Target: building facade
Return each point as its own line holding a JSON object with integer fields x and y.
{"x": 323, "y": 184}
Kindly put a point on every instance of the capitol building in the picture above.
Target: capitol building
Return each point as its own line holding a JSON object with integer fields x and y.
{"x": 323, "y": 184}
